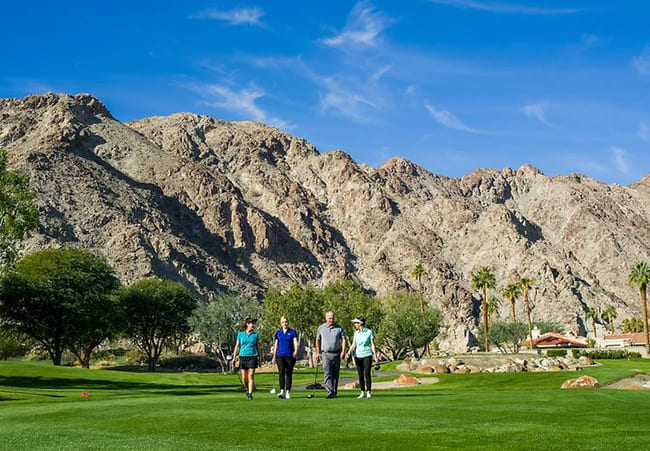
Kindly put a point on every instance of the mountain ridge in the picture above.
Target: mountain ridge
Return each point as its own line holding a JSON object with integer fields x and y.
{"x": 244, "y": 206}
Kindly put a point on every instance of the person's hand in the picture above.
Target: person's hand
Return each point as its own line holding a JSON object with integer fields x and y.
{"x": 295, "y": 353}
{"x": 342, "y": 355}
{"x": 273, "y": 361}
{"x": 318, "y": 356}
{"x": 376, "y": 359}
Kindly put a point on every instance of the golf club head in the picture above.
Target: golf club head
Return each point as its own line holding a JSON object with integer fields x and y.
{"x": 272, "y": 391}
{"x": 311, "y": 395}
{"x": 377, "y": 367}
{"x": 229, "y": 357}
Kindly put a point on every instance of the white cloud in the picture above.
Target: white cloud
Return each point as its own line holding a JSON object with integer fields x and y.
{"x": 349, "y": 102}
{"x": 642, "y": 62}
{"x": 250, "y": 16}
{"x": 374, "y": 78}
{"x": 410, "y": 89}
{"x": 505, "y": 7}
{"x": 450, "y": 120}
{"x": 644, "y": 130}
{"x": 243, "y": 101}
{"x": 620, "y": 157}
{"x": 536, "y": 111}
{"x": 587, "y": 41}
{"x": 362, "y": 28}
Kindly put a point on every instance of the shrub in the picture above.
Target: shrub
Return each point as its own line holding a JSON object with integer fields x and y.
{"x": 607, "y": 354}
{"x": 13, "y": 345}
{"x": 135, "y": 357}
{"x": 189, "y": 362}
{"x": 556, "y": 353}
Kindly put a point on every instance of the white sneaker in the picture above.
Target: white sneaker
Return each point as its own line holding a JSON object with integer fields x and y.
{"x": 287, "y": 395}
{"x": 361, "y": 396}
{"x": 368, "y": 395}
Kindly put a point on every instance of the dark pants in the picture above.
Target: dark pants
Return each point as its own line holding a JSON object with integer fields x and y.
{"x": 364, "y": 365}
{"x": 285, "y": 370}
{"x": 331, "y": 367}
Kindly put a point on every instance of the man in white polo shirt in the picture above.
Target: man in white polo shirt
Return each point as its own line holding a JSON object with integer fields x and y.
{"x": 330, "y": 347}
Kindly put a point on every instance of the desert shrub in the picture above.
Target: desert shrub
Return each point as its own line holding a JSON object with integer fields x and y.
{"x": 556, "y": 353}
{"x": 135, "y": 357}
{"x": 189, "y": 363}
{"x": 13, "y": 345}
{"x": 38, "y": 354}
{"x": 600, "y": 354}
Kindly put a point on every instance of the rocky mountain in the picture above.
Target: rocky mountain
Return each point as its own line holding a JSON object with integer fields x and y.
{"x": 243, "y": 206}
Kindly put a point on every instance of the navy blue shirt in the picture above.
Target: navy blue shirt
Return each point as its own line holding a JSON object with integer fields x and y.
{"x": 285, "y": 342}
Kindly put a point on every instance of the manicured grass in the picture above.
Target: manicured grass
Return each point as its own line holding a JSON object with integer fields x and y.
{"x": 41, "y": 408}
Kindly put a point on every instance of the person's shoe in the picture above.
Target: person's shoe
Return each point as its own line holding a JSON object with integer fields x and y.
{"x": 249, "y": 396}
{"x": 281, "y": 396}
{"x": 368, "y": 395}
{"x": 287, "y": 395}
{"x": 361, "y": 396}
{"x": 330, "y": 395}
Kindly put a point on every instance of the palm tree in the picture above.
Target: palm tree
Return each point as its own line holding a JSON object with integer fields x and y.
{"x": 640, "y": 277}
{"x": 482, "y": 280}
{"x": 525, "y": 284}
{"x": 417, "y": 274}
{"x": 512, "y": 292}
{"x": 492, "y": 308}
{"x": 592, "y": 314}
{"x": 611, "y": 314}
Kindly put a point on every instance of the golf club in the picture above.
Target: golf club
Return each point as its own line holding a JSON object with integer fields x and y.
{"x": 230, "y": 358}
{"x": 273, "y": 376}
{"x": 312, "y": 386}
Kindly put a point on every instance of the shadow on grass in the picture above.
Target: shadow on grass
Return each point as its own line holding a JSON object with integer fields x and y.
{"x": 37, "y": 382}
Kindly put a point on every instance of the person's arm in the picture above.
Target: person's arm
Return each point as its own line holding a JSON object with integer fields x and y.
{"x": 275, "y": 348}
{"x": 344, "y": 342}
{"x": 257, "y": 347}
{"x": 318, "y": 345}
{"x": 352, "y": 348}
{"x": 236, "y": 350}
{"x": 295, "y": 346}
{"x": 374, "y": 351}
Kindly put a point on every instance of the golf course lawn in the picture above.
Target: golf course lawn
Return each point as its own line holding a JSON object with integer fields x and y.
{"x": 41, "y": 408}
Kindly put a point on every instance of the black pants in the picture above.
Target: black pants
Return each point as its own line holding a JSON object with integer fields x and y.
{"x": 364, "y": 365}
{"x": 285, "y": 370}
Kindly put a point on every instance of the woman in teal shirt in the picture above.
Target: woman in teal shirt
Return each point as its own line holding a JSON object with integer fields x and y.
{"x": 247, "y": 347}
{"x": 363, "y": 346}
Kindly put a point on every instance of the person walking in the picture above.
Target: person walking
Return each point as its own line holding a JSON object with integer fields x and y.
{"x": 330, "y": 348}
{"x": 247, "y": 348}
{"x": 364, "y": 352}
{"x": 285, "y": 350}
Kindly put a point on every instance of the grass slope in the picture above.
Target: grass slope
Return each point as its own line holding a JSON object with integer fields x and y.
{"x": 41, "y": 408}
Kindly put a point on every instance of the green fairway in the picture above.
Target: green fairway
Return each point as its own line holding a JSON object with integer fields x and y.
{"x": 41, "y": 408}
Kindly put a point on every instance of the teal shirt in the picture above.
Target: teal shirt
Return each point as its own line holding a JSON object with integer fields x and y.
{"x": 247, "y": 343}
{"x": 362, "y": 340}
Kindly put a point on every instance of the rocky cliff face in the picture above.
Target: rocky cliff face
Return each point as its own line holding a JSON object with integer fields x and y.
{"x": 243, "y": 206}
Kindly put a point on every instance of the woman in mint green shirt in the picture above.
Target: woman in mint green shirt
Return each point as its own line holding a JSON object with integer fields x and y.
{"x": 247, "y": 348}
{"x": 364, "y": 352}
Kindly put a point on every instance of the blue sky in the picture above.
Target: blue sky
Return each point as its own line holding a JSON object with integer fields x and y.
{"x": 452, "y": 85}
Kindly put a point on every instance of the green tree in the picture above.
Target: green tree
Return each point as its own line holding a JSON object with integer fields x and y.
{"x": 18, "y": 214}
{"x": 417, "y": 273}
{"x": 592, "y": 314}
{"x": 483, "y": 280}
{"x": 61, "y": 298}
{"x": 217, "y": 323}
{"x": 548, "y": 326}
{"x": 632, "y": 325}
{"x": 525, "y": 284}
{"x": 403, "y": 329}
{"x": 156, "y": 313}
{"x": 492, "y": 307}
{"x": 640, "y": 277}
{"x": 304, "y": 308}
{"x": 610, "y": 313}
{"x": 348, "y": 300}
{"x": 512, "y": 292}
{"x": 507, "y": 336}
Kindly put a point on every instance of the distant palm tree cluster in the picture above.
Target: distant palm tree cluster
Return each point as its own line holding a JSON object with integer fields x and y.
{"x": 484, "y": 279}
